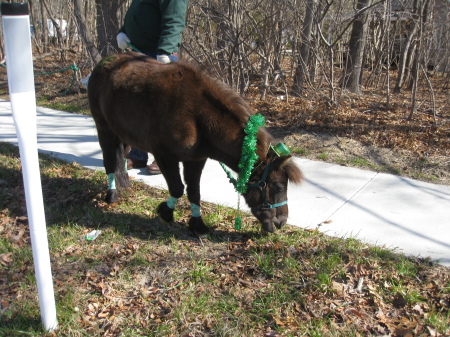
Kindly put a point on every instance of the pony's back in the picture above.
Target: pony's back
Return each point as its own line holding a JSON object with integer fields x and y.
{"x": 172, "y": 106}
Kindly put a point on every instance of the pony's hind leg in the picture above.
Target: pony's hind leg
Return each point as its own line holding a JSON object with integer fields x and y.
{"x": 171, "y": 172}
{"x": 114, "y": 163}
{"x": 192, "y": 173}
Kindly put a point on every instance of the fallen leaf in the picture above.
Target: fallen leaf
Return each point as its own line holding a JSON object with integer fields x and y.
{"x": 6, "y": 258}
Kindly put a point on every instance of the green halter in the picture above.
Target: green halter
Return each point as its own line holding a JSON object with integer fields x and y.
{"x": 262, "y": 185}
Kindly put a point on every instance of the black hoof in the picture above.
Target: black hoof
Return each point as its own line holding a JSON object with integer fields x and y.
{"x": 165, "y": 213}
{"x": 197, "y": 226}
{"x": 112, "y": 196}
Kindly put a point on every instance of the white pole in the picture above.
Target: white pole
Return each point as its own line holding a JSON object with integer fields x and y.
{"x": 19, "y": 65}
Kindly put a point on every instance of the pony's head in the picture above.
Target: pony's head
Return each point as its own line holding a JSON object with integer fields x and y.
{"x": 266, "y": 194}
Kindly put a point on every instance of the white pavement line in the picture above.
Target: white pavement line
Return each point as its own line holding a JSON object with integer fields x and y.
{"x": 349, "y": 199}
{"x": 325, "y": 189}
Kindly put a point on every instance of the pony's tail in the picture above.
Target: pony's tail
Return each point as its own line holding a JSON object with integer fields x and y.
{"x": 121, "y": 174}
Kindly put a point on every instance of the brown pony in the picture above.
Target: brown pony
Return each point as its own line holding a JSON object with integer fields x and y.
{"x": 179, "y": 114}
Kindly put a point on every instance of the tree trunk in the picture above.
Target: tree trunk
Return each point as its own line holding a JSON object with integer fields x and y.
{"x": 44, "y": 28}
{"x": 56, "y": 26}
{"x": 354, "y": 66}
{"x": 302, "y": 64}
{"x": 423, "y": 11}
{"x": 33, "y": 19}
{"x": 419, "y": 57}
{"x": 108, "y": 25}
{"x": 403, "y": 62}
{"x": 84, "y": 34}
{"x": 387, "y": 26}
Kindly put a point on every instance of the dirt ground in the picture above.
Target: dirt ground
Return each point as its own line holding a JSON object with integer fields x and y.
{"x": 381, "y": 139}
{"x": 353, "y": 130}
{"x": 351, "y": 152}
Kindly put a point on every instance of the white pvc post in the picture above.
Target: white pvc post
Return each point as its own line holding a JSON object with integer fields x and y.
{"x": 19, "y": 65}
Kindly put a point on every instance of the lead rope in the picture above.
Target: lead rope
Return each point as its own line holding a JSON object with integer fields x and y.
{"x": 232, "y": 180}
{"x": 73, "y": 67}
{"x": 238, "y": 220}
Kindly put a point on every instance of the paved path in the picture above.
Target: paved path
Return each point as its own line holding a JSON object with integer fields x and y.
{"x": 377, "y": 208}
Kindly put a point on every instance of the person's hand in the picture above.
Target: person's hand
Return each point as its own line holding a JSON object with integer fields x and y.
{"x": 163, "y": 58}
{"x": 122, "y": 40}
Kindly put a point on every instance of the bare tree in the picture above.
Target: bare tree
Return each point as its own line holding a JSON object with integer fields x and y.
{"x": 55, "y": 23}
{"x": 44, "y": 27}
{"x": 354, "y": 65}
{"x": 303, "y": 61}
{"x": 108, "y": 24}
{"x": 419, "y": 55}
{"x": 407, "y": 48}
{"x": 83, "y": 31}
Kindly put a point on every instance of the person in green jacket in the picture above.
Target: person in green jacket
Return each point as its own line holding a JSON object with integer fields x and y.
{"x": 154, "y": 28}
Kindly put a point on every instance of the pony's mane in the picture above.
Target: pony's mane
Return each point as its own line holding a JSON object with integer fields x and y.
{"x": 223, "y": 93}
{"x": 231, "y": 101}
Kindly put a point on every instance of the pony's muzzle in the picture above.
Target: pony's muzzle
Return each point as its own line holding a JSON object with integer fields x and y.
{"x": 281, "y": 221}
{"x": 270, "y": 224}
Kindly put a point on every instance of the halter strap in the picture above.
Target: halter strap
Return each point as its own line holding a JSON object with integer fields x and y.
{"x": 269, "y": 206}
{"x": 262, "y": 185}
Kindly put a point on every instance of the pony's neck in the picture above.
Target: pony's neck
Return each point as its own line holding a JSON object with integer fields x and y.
{"x": 231, "y": 154}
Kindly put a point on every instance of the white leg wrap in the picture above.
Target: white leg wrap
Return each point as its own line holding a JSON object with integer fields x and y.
{"x": 195, "y": 209}
{"x": 111, "y": 181}
{"x": 171, "y": 202}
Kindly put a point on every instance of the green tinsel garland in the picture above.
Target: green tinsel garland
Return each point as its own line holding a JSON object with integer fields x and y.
{"x": 248, "y": 155}
{"x": 247, "y": 161}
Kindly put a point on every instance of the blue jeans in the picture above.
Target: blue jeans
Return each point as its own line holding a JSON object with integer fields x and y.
{"x": 135, "y": 153}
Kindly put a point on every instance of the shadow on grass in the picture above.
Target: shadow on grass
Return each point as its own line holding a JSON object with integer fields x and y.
{"x": 79, "y": 200}
{"x": 20, "y": 324}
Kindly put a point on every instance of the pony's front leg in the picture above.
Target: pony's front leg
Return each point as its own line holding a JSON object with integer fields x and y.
{"x": 192, "y": 173}
{"x": 166, "y": 208}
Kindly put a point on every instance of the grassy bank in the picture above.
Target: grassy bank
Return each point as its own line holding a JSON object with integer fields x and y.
{"x": 142, "y": 278}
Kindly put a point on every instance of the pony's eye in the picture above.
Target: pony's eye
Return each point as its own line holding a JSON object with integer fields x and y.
{"x": 253, "y": 183}
{"x": 280, "y": 187}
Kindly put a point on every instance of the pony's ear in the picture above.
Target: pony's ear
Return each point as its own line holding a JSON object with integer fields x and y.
{"x": 293, "y": 172}
{"x": 281, "y": 161}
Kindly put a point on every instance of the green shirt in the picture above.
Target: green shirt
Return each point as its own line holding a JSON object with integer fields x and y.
{"x": 155, "y": 25}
